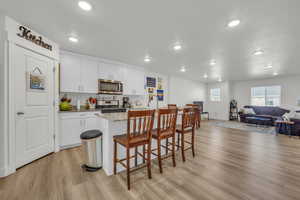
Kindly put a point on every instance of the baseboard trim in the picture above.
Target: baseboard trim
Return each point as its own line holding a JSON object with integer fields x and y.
{"x": 6, "y": 171}
{"x": 2, "y": 172}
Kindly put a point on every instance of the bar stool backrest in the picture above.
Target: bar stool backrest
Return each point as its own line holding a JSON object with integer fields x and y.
{"x": 140, "y": 123}
{"x": 166, "y": 121}
{"x": 188, "y": 118}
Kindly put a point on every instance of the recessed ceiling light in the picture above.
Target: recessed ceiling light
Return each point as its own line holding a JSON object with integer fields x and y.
{"x": 205, "y": 76}
{"x": 73, "y": 39}
{"x": 86, "y": 6}
{"x": 147, "y": 59}
{"x": 213, "y": 62}
{"x": 268, "y": 67}
{"x": 233, "y": 23}
{"x": 258, "y": 52}
{"x": 183, "y": 69}
{"x": 275, "y": 74}
{"x": 177, "y": 47}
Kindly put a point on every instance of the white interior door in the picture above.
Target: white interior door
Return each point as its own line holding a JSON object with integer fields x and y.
{"x": 34, "y": 110}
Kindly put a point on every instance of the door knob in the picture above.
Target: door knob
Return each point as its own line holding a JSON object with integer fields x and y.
{"x": 20, "y": 113}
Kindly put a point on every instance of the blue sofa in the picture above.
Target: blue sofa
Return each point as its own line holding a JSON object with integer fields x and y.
{"x": 296, "y": 127}
{"x": 266, "y": 112}
{"x": 272, "y": 113}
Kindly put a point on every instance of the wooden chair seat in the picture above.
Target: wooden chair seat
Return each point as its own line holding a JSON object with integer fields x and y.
{"x": 163, "y": 134}
{"x": 186, "y": 130}
{"x": 136, "y": 141}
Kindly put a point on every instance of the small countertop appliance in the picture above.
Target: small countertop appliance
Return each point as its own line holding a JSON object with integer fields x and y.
{"x": 126, "y": 103}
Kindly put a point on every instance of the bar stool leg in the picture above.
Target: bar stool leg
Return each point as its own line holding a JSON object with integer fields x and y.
{"x": 182, "y": 147}
{"x": 178, "y": 141}
{"x": 136, "y": 156}
{"x": 115, "y": 157}
{"x": 144, "y": 154}
{"x": 193, "y": 143}
{"x": 128, "y": 167}
{"x": 167, "y": 145}
{"x": 149, "y": 160}
{"x": 159, "y": 154}
{"x": 173, "y": 150}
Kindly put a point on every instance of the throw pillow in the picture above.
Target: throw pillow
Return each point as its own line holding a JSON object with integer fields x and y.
{"x": 291, "y": 114}
{"x": 286, "y": 117}
{"x": 296, "y": 116}
{"x": 249, "y": 111}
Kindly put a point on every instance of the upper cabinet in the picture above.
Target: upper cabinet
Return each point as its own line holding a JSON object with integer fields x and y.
{"x": 81, "y": 73}
{"x": 134, "y": 82}
{"x": 69, "y": 73}
{"x": 78, "y": 74}
{"x": 110, "y": 71}
{"x": 89, "y": 76}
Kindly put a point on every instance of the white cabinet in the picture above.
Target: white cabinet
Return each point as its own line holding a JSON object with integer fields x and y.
{"x": 70, "y": 77}
{"x": 81, "y": 73}
{"x": 78, "y": 74}
{"x": 70, "y": 130}
{"x": 110, "y": 71}
{"x": 89, "y": 76}
{"x": 91, "y": 122}
{"x": 73, "y": 124}
{"x": 134, "y": 82}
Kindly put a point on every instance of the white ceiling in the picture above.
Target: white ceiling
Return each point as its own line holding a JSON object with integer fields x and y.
{"x": 128, "y": 30}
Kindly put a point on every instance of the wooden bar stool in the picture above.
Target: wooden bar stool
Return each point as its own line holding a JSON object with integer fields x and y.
{"x": 187, "y": 126}
{"x": 139, "y": 133}
{"x": 171, "y": 106}
{"x": 197, "y": 114}
{"x": 166, "y": 127}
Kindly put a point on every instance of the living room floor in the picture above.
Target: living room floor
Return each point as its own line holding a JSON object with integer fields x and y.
{"x": 229, "y": 164}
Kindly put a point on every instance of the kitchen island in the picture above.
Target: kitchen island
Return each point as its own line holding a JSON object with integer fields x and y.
{"x": 116, "y": 124}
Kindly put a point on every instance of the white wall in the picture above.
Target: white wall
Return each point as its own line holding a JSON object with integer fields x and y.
{"x": 241, "y": 92}
{"x": 2, "y": 95}
{"x": 219, "y": 110}
{"x": 183, "y": 91}
{"x": 290, "y": 90}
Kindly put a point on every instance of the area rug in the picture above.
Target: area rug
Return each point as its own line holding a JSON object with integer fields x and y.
{"x": 244, "y": 127}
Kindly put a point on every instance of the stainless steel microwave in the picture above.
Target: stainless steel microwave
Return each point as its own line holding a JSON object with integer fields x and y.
{"x": 110, "y": 87}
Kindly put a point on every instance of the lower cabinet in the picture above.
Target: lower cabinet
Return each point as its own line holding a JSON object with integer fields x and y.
{"x": 73, "y": 124}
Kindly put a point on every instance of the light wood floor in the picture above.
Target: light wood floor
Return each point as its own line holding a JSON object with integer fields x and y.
{"x": 229, "y": 164}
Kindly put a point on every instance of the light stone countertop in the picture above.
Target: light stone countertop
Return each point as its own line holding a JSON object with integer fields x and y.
{"x": 122, "y": 116}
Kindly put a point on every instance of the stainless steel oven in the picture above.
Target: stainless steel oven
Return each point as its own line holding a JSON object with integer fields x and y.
{"x": 110, "y": 87}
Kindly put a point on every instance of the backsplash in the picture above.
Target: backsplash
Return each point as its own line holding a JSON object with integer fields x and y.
{"x": 135, "y": 100}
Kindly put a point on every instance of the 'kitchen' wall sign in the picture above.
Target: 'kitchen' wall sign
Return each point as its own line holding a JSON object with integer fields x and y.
{"x": 38, "y": 40}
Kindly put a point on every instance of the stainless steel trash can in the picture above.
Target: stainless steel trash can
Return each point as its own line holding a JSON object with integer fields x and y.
{"x": 92, "y": 146}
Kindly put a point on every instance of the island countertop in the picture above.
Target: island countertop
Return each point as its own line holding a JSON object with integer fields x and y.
{"x": 122, "y": 116}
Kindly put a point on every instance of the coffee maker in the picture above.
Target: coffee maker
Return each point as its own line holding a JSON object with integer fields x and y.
{"x": 126, "y": 103}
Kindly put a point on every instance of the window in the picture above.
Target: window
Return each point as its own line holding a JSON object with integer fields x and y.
{"x": 266, "y": 96}
{"x": 215, "y": 94}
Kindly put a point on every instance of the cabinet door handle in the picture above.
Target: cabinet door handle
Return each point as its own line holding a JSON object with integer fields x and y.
{"x": 20, "y": 113}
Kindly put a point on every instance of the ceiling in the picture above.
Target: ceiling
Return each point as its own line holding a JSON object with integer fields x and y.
{"x": 126, "y": 31}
